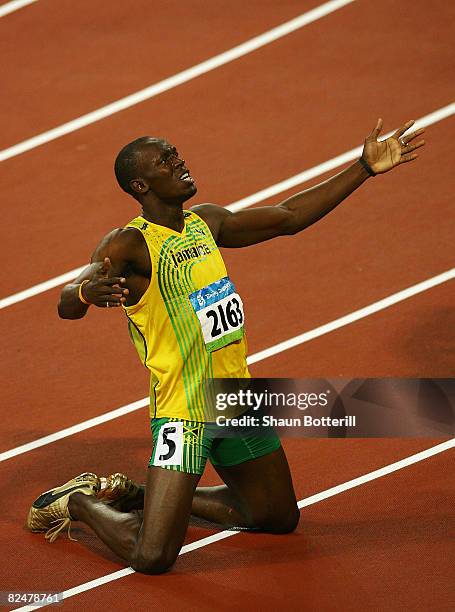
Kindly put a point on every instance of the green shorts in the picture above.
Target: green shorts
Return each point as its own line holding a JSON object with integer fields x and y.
{"x": 185, "y": 446}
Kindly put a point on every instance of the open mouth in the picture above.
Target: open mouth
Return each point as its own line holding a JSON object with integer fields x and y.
{"x": 186, "y": 177}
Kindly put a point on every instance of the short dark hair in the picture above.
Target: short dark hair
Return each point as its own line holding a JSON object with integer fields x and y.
{"x": 126, "y": 166}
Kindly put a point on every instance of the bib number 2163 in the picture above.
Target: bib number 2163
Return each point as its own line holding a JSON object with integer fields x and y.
{"x": 225, "y": 316}
{"x": 220, "y": 312}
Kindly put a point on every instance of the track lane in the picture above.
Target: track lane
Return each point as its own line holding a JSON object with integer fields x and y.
{"x": 363, "y": 549}
{"x": 259, "y": 197}
{"x": 112, "y": 447}
{"x": 97, "y": 53}
{"x": 432, "y": 354}
{"x": 255, "y": 152}
{"x": 411, "y": 339}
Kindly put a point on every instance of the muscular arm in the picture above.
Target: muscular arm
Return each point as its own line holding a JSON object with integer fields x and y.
{"x": 247, "y": 227}
{"x": 251, "y": 226}
{"x": 114, "y": 262}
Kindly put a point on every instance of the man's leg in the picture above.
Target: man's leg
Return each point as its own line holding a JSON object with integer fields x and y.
{"x": 151, "y": 543}
{"x": 257, "y": 493}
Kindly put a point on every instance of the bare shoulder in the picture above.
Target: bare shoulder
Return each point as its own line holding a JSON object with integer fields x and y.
{"x": 120, "y": 243}
{"x": 213, "y": 215}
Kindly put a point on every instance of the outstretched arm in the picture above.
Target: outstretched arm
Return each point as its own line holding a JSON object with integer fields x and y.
{"x": 99, "y": 284}
{"x": 94, "y": 286}
{"x": 247, "y": 227}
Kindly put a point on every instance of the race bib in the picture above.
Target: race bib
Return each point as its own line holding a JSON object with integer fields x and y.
{"x": 169, "y": 445}
{"x": 220, "y": 312}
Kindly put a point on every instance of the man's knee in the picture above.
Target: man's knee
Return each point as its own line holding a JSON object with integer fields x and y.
{"x": 155, "y": 561}
{"x": 289, "y": 522}
{"x": 279, "y": 522}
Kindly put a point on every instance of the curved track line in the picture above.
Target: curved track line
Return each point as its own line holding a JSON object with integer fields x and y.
{"x": 303, "y": 503}
{"x": 15, "y": 5}
{"x": 260, "y": 356}
{"x": 178, "y": 79}
{"x": 259, "y": 196}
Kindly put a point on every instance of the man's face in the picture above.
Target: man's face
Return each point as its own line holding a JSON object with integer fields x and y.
{"x": 164, "y": 173}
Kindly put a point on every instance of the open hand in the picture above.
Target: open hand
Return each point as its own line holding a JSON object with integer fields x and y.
{"x": 384, "y": 155}
{"x": 104, "y": 290}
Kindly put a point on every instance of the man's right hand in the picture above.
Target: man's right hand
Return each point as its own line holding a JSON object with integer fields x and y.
{"x": 104, "y": 290}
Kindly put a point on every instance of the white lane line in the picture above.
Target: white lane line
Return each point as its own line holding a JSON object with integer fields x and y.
{"x": 384, "y": 471}
{"x": 404, "y": 294}
{"x": 331, "y": 164}
{"x": 293, "y": 181}
{"x": 74, "y": 429}
{"x": 260, "y": 356}
{"x": 15, "y": 5}
{"x": 178, "y": 79}
{"x": 62, "y": 279}
{"x": 303, "y": 503}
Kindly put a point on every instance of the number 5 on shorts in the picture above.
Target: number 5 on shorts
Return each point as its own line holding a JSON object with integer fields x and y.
{"x": 169, "y": 445}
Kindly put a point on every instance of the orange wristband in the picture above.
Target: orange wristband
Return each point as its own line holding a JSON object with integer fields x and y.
{"x": 81, "y": 297}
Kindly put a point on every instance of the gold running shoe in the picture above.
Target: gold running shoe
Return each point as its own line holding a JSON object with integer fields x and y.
{"x": 50, "y": 512}
{"x": 119, "y": 491}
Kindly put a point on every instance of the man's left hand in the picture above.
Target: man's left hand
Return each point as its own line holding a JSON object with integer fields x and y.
{"x": 382, "y": 156}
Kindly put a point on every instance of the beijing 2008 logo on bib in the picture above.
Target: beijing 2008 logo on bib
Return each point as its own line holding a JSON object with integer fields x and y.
{"x": 220, "y": 312}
